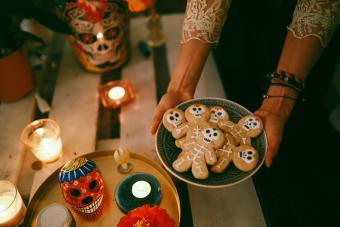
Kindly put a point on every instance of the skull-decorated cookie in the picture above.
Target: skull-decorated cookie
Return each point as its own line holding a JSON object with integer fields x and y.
{"x": 245, "y": 157}
{"x": 224, "y": 155}
{"x": 197, "y": 116}
{"x": 201, "y": 153}
{"x": 248, "y": 127}
{"x": 251, "y": 125}
{"x": 217, "y": 114}
{"x": 175, "y": 122}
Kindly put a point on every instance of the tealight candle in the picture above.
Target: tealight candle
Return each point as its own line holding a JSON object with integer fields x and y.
{"x": 100, "y": 35}
{"x": 116, "y": 93}
{"x": 42, "y": 137}
{"x": 12, "y": 208}
{"x": 141, "y": 189}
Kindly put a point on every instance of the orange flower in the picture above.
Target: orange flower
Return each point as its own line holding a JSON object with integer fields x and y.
{"x": 146, "y": 216}
{"x": 138, "y": 5}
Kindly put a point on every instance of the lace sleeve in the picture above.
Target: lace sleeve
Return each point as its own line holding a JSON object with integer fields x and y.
{"x": 204, "y": 20}
{"x": 317, "y": 18}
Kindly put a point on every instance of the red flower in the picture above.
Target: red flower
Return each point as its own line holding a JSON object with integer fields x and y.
{"x": 138, "y": 5}
{"x": 146, "y": 216}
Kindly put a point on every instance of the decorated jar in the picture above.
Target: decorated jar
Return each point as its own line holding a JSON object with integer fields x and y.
{"x": 101, "y": 33}
{"x": 82, "y": 187}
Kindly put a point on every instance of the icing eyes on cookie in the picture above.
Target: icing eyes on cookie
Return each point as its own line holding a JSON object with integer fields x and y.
{"x": 211, "y": 134}
{"x": 197, "y": 110}
{"x": 250, "y": 124}
{"x": 247, "y": 156}
{"x": 174, "y": 118}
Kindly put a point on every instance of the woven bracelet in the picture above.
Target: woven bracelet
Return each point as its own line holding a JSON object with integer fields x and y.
{"x": 290, "y": 79}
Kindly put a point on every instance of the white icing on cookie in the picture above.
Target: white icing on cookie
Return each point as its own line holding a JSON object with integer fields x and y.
{"x": 251, "y": 123}
{"x": 216, "y": 114}
{"x": 247, "y": 156}
{"x": 210, "y": 134}
{"x": 174, "y": 118}
{"x": 197, "y": 110}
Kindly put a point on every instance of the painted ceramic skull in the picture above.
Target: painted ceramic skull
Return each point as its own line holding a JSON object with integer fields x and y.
{"x": 247, "y": 156}
{"x": 82, "y": 187}
{"x": 251, "y": 123}
{"x": 217, "y": 113}
{"x": 102, "y": 43}
{"x": 175, "y": 118}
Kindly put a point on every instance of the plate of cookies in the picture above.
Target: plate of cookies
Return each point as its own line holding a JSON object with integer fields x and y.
{"x": 211, "y": 142}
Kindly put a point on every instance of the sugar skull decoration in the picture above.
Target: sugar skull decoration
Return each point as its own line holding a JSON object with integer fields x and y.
{"x": 100, "y": 39}
{"x": 82, "y": 186}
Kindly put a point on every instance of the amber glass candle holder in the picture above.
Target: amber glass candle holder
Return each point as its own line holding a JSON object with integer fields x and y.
{"x": 116, "y": 93}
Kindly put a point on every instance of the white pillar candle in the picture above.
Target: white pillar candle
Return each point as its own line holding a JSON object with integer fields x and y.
{"x": 116, "y": 93}
{"x": 12, "y": 208}
{"x": 141, "y": 189}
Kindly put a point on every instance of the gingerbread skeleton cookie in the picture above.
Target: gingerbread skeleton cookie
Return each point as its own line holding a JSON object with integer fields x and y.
{"x": 248, "y": 127}
{"x": 218, "y": 114}
{"x": 201, "y": 153}
{"x": 175, "y": 122}
{"x": 245, "y": 157}
{"x": 224, "y": 155}
{"x": 197, "y": 116}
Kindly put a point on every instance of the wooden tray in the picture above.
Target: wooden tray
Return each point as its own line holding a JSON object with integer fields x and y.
{"x": 49, "y": 192}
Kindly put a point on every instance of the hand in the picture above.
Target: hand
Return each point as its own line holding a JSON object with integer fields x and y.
{"x": 274, "y": 126}
{"x": 274, "y": 113}
{"x": 169, "y": 100}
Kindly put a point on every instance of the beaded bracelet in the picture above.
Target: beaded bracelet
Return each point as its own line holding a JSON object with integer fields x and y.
{"x": 266, "y": 96}
{"x": 285, "y": 85}
{"x": 286, "y": 78}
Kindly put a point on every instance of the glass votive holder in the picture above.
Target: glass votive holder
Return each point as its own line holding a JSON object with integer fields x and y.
{"x": 42, "y": 137}
{"x": 116, "y": 93}
{"x": 136, "y": 190}
{"x": 12, "y": 208}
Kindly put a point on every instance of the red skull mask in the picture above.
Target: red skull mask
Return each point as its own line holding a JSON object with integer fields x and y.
{"x": 82, "y": 186}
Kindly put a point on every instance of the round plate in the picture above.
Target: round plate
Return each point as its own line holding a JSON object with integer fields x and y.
{"x": 168, "y": 152}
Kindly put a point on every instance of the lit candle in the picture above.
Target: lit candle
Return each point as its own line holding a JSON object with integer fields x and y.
{"x": 100, "y": 35}
{"x": 42, "y": 137}
{"x": 141, "y": 189}
{"x": 116, "y": 93}
{"x": 12, "y": 208}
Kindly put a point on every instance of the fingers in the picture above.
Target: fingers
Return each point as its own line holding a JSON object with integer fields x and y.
{"x": 273, "y": 147}
{"x": 157, "y": 118}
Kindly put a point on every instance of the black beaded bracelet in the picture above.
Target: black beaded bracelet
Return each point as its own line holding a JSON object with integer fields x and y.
{"x": 284, "y": 77}
{"x": 285, "y": 85}
{"x": 266, "y": 96}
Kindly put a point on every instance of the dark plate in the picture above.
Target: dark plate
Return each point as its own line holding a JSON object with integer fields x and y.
{"x": 168, "y": 152}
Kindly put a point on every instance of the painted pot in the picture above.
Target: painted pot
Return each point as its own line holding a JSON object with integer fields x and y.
{"x": 101, "y": 33}
{"x": 16, "y": 75}
{"x": 82, "y": 186}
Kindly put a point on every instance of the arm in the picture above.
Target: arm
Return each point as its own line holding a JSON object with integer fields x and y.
{"x": 201, "y": 29}
{"x": 300, "y": 52}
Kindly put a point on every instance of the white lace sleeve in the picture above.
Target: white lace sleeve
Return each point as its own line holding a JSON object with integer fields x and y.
{"x": 204, "y": 20}
{"x": 317, "y": 18}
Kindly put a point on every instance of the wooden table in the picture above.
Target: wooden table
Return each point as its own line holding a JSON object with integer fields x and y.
{"x": 76, "y": 108}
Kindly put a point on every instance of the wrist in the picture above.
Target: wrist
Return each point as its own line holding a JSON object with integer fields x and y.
{"x": 280, "y": 105}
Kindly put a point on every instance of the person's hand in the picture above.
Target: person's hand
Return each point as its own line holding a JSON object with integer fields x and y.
{"x": 273, "y": 126}
{"x": 274, "y": 113}
{"x": 169, "y": 100}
